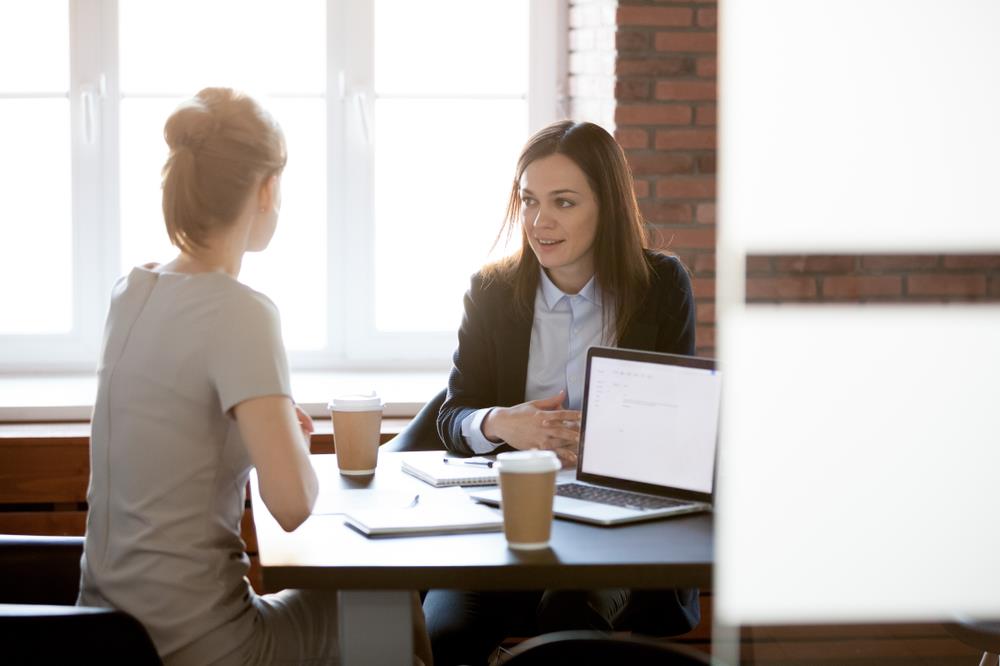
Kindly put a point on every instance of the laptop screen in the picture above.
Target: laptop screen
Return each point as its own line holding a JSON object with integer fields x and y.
{"x": 650, "y": 419}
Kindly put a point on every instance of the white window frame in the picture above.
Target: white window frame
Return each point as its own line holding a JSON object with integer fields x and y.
{"x": 93, "y": 159}
{"x": 353, "y": 342}
{"x": 361, "y": 345}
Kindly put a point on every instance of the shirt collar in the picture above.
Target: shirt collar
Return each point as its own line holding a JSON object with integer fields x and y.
{"x": 553, "y": 294}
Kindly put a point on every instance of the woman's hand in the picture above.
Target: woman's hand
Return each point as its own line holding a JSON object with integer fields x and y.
{"x": 305, "y": 423}
{"x": 538, "y": 424}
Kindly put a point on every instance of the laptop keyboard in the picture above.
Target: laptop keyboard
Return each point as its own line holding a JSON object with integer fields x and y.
{"x": 613, "y": 497}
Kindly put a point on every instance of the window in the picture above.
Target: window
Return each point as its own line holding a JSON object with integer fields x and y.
{"x": 37, "y": 247}
{"x": 403, "y": 122}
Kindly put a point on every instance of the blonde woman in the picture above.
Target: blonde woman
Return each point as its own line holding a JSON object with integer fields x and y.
{"x": 193, "y": 391}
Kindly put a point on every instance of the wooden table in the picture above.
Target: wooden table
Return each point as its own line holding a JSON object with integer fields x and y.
{"x": 375, "y": 575}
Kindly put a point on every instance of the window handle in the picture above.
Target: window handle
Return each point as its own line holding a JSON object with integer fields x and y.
{"x": 90, "y": 95}
{"x": 362, "y": 102}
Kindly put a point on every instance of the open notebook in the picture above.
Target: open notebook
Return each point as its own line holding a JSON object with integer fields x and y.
{"x": 435, "y": 512}
{"x": 430, "y": 467}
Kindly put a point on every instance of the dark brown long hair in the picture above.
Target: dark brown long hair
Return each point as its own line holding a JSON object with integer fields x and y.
{"x": 622, "y": 271}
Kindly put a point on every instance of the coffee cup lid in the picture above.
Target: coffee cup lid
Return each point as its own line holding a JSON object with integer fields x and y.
{"x": 534, "y": 460}
{"x": 356, "y": 402}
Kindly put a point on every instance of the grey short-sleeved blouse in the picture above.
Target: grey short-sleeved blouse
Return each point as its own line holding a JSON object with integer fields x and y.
{"x": 168, "y": 466}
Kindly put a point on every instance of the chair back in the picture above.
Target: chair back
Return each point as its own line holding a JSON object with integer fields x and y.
{"x": 595, "y": 648}
{"x": 39, "y": 579}
{"x": 421, "y": 433}
{"x": 39, "y": 569}
{"x": 36, "y": 634}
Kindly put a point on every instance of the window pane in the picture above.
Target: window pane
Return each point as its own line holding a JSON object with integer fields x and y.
{"x": 255, "y": 45}
{"x": 37, "y": 231}
{"x": 440, "y": 197}
{"x": 34, "y": 46}
{"x": 143, "y": 152}
{"x": 418, "y": 47}
{"x": 292, "y": 271}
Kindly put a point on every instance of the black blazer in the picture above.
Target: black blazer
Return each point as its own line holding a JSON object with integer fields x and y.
{"x": 491, "y": 362}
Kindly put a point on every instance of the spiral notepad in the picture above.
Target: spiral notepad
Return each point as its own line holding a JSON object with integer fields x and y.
{"x": 430, "y": 467}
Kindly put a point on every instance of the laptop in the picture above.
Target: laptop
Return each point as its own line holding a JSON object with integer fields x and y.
{"x": 648, "y": 439}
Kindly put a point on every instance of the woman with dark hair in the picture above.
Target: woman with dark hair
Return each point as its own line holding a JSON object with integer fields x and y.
{"x": 582, "y": 276}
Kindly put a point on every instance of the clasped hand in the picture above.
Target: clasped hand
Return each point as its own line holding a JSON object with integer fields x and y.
{"x": 537, "y": 424}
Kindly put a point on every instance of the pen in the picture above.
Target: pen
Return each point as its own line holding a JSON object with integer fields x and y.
{"x": 457, "y": 461}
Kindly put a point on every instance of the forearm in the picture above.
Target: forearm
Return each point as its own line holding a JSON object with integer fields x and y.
{"x": 450, "y": 428}
{"x": 279, "y": 451}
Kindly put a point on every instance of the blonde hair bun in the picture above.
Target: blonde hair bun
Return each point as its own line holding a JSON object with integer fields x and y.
{"x": 190, "y": 125}
{"x": 222, "y": 144}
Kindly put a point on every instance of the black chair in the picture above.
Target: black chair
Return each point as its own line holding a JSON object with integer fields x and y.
{"x": 39, "y": 569}
{"x": 983, "y": 636}
{"x": 39, "y": 577}
{"x": 421, "y": 433}
{"x": 594, "y": 648}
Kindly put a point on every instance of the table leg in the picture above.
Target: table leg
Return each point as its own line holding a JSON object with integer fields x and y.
{"x": 376, "y": 627}
{"x": 727, "y": 643}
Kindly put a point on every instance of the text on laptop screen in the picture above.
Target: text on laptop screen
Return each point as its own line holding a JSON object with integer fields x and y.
{"x": 652, "y": 423}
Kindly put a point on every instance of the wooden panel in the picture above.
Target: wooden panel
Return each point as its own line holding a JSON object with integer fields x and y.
{"x": 50, "y": 462}
{"x": 255, "y": 577}
{"x": 858, "y": 645}
{"x": 248, "y": 532}
{"x": 862, "y": 651}
{"x": 44, "y": 523}
{"x": 42, "y": 470}
{"x": 844, "y": 631}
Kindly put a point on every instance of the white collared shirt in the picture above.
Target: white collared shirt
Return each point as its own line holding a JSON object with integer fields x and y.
{"x": 565, "y": 326}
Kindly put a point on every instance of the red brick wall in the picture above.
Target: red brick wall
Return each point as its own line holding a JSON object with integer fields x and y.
{"x": 873, "y": 278}
{"x": 665, "y": 118}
